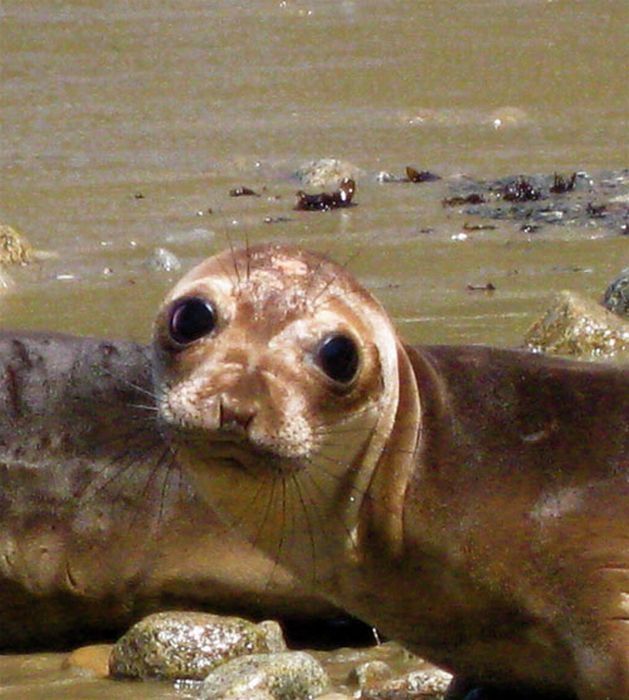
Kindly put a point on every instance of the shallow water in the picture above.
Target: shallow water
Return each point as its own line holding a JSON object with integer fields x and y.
{"x": 181, "y": 101}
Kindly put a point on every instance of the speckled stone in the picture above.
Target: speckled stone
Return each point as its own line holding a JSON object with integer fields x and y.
{"x": 616, "y": 297}
{"x": 326, "y": 171}
{"x": 14, "y": 248}
{"x": 432, "y": 683}
{"x": 186, "y": 645}
{"x": 370, "y": 672}
{"x": 575, "y": 325}
{"x": 292, "y": 675}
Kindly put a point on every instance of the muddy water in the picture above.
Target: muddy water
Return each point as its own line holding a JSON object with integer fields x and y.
{"x": 124, "y": 126}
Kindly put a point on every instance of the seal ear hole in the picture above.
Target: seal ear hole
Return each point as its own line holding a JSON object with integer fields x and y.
{"x": 338, "y": 357}
{"x": 190, "y": 319}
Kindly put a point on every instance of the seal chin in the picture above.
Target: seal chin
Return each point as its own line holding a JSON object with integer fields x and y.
{"x": 235, "y": 448}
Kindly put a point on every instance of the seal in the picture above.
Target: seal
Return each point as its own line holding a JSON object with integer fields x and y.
{"x": 98, "y": 525}
{"x": 470, "y": 502}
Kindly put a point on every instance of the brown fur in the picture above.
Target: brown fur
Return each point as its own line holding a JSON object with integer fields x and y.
{"x": 470, "y": 502}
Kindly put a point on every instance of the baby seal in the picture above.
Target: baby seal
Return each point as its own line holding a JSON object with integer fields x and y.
{"x": 470, "y": 502}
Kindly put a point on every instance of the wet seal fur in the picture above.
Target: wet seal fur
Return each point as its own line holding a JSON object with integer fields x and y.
{"x": 98, "y": 524}
{"x": 470, "y": 502}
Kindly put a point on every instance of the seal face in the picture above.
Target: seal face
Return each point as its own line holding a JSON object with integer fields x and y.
{"x": 471, "y": 502}
{"x": 272, "y": 366}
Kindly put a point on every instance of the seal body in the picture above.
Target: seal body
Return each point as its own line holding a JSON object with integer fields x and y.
{"x": 470, "y": 502}
{"x": 98, "y": 525}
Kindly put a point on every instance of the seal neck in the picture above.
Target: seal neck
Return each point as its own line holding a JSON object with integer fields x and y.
{"x": 382, "y": 519}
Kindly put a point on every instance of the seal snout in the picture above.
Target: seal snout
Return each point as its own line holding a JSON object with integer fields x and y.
{"x": 234, "y": 417}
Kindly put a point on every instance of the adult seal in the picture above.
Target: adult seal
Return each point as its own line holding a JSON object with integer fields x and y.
{"x": 470, "y": 502}
{"x": 98, "y": 525}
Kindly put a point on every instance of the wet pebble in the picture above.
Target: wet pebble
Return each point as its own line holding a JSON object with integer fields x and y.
{"x": 578, "y": 326}
{"x": 326, "y": 171}
{"x": 291, "y": 675}
{"x": 431, "y": 683}
{"x": 616, "y": 296}
{"x": 175, "y": 645}
{"x": 370, "y": 672}
{"x": 162, "y": 260}
{"x": 14, "y": 248}
{"x": 91, "y": 660}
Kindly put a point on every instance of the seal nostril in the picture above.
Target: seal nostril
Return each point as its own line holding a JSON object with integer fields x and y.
{"x": 230, "y": 418}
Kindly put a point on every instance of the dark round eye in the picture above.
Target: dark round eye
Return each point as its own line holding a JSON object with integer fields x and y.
{"x": 191, "y": 319}
{"x": 337, "y": 355}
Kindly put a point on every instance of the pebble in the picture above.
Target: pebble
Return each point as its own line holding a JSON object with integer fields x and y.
{"x": 14, "y": 248}
{"x": 578, "y": 326}
{"x": 187, "y": 645}
{"x": 414, "y": 685}
{"x": 92, "y": 660}
{"x": 326, "y": 171}
{"x": 162, "y": 260}
{"x": 370, "y": 672}
{"x": 616, "y": 296}
{"x": 290, "y": 675}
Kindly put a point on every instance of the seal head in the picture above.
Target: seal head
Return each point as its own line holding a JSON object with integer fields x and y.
{"x": 278, "y": 384}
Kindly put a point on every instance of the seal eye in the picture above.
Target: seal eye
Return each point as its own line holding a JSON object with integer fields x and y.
{"x": 337, "y": 355}
{"x": 191, "y": 319}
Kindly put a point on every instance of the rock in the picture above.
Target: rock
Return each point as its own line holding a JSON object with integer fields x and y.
{"x": 326, "y": 171}
{"x": 14, "y": 248}
{"x": 92, "y": 660}
{"x": 370, "y": 673}
{"x": 188, "y": 645}
{"x": 431, "y": 683}
{"x": 616, "y": 296}
{"x": 575, "y": 325}
{"x": 162, "y": 260}
{"x": 291, "y": 675}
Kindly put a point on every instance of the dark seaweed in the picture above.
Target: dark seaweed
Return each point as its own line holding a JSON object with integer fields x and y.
{"x": 458, "y": 200}
{"x": 327, "y": 200}
{"x": 478, "y": 227}
{"x": 530, "y": 228}
{"x": 243, "y": 192}
{"x": 276, "y": 219}
{"x": 487, "y": 287}
{"x": 420, "y": 175}
{"x": 596, "y": 211}
{"x": 521, "y": 190}
{"x": 563, "y": 184}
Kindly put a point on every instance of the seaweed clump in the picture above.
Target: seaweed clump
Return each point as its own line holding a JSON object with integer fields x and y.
{"x": 414, "y": 175}
{"x": 563, "y": 184}
{"x": 327, "y": 200}
{"x": 521, "y": 190}
{"x": 458, "y": 200}
{"x": 243, "y": 191}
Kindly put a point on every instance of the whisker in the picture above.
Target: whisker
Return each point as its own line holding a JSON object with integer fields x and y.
{"x": 234, "y": 261}
{"x": 143, "y": 407}
{"x": 265, "y": 516}
{"x": 324, "y": 523}
{"x": 132, "y": 385}
{"x": 282, "y": 533}
{"x": 311, "y": 537}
